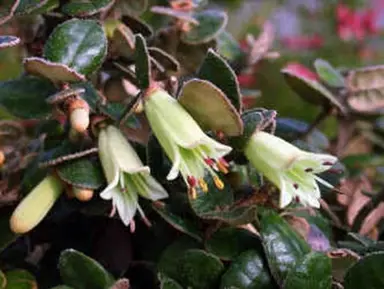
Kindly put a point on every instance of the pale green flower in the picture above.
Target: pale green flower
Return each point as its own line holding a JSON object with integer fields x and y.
{"x": 192, "y": 152}
{"x": 126, "y": 175}
{"x": 291, "y": 169}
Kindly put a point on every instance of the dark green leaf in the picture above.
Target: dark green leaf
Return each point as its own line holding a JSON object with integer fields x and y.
{"x": 169, "y": 262}
{"x": 168, "y": 283}
{"x": 165, "y": 59}
{"x": 311, "y": 90}
{"x": 313, "y": 271}
{"x": 137, "y": 25}
{"x": 252, "y": 120}
{"x": 85, "y": 8}
{"x": 283, "y": 247}
{"x": 228, "y": 243}
{"x": 228, "y": 47}
{"x": 55, "y": 72}
{"x": 207, "y": 104}
{"x": 183, "y": 225}
{"x": 329, "y": 74}
{"x": 247, "y": 271}
{"x": 82, "y": 272}
{"x": 142, "y": 64}
{"x": 366, "y": 273}
{"x": 15, "y": 94}
{"x": 211, "y": 24}
{"x": 28, "y": 6}
{"x": 20, "y": 279}
{"x": 62, "y": 287}
{"x": 199, "y": 269}
{"x": 82, "y": 173}
{"x": 8, "y": 41}
{"x": 80, "y": 44}
{"x": 6, "y": 235}
{"x": 135, "y": 7}
{"x": 216, "y": 70}
{"x": 342, "y": 260}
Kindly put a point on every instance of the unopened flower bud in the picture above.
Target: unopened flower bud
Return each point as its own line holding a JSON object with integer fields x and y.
{"x": 83, "y": 195}
{"x": 79, "y": 115}
{"x": 35, "y": 206}
{"x": 2, "y": 158}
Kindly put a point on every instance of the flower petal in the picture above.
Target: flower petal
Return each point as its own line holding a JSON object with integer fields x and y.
{"x": 150, "y": 188}
{"x": 110, "y": 168}
{"x": 314, "y": 163}
{"x": 122, "y": 152}
{"x": 126, "y": 204}
{"x": 174, "y": 119}
{"x": 286, "y": 193}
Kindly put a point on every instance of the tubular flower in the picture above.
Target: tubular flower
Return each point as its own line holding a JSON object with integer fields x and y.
{"x": 126, "y": 175}
{"x": 291, "y": 169}
{"x": 192, "y": 152}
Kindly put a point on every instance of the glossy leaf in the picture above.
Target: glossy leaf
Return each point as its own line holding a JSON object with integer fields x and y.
{"x": 169, "y": 262}
{"x": 216, "y": 70}
{"x": 165, "y": 59}
{"x": 82, "y": 272}
{"x": 82, "y": 173}
{"x": 20, "y": 279}
{"x": 366, "y": 273}
{"x": 8, "y": 41}
{"x": 329, "y": 74}
{"x": 86, "y": 8}
{"x": 179, "y": 223}
{"x": 135, "y": 7}
{"x": 186, "y": 17}
{"x": 168, "y": 283}
{"x": 137, "y": 25}
{"x": 199, "y": 269}
{"x": 311, "y": 90}
{"x": 211, "y": 24}
{"x": 313, "y": 271}
{"x": 228, "y": 243}
{"x": 31, "y": 6}
{"x": 247, "y": 271}
{"x": 283, "y": 247}
{"x": 207, "y": 104}
{"x": 252, "y": 119}
{"x": 142, "y": 64}
{"x": 14, "y": 94}
{"x": 55, "y": 72}
{"x": 228, "y": 47}
{"x": 80, "y": 44}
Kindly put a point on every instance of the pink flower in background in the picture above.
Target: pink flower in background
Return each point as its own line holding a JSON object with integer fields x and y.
{"x": 303, "y": 42}
{"x": 355, "y": 25}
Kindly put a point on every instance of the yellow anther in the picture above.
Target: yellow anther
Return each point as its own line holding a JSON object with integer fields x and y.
{"x": 219, "y": 184}
{"x": 203, "y": 185}
{"x": 222, "y": 167}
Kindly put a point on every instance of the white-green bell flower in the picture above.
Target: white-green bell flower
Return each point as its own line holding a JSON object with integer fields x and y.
{"x": 126, "y": 175}
{"x": 291, "y": 169}
{"x": 192, "y": 152}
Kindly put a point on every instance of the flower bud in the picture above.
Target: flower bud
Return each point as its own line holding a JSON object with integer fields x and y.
{"x": 35, "y": 206}
{"x": 2, "y": 158}
{"x": 83, "y": 195}
{"x": 79, "y": 115}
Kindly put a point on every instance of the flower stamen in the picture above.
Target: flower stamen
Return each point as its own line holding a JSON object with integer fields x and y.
{"x": 218, "y": 183}
{"x": 203, "y": 185}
